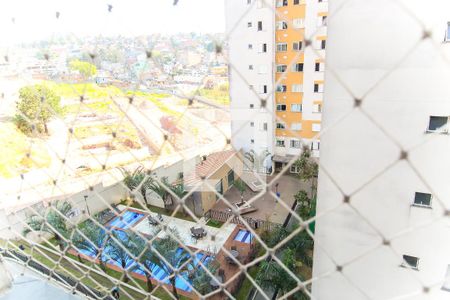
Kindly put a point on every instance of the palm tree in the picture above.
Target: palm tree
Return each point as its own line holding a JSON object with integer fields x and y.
{"x": 53, "y": 221}
{"x": 162, "y": 189}
{"x": 201, "y": 279}
{"x": 137, "y": 179}
{"x": 93, "y": 241}
{"x": 241, "y": 186}
{"x": 145, "y": 257}
{"x": 168, "y": 247}
{"x": 119, "y": 250}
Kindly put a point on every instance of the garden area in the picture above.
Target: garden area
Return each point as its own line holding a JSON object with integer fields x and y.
{"x": 88, "y": 248}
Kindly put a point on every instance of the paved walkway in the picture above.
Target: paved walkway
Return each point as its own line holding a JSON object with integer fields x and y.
{"x": 212, "y": 242}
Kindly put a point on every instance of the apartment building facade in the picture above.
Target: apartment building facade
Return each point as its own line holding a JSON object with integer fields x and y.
{"x": 276, "y": 55}
{"x": 383, "y": 230}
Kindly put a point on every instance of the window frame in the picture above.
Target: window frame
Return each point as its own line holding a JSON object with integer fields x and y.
{"x": 418, "y": 204}
{"x": 281, "y": 104}
{"x": 438, "y": 130}
{"x": 407, "y": 264}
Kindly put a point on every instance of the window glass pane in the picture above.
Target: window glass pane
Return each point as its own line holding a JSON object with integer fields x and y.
{"x": 422, "y": 199}
{"x": 437, "y": 122}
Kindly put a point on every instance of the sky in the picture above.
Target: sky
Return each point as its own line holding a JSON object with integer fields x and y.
{"x": 27, "y": 20}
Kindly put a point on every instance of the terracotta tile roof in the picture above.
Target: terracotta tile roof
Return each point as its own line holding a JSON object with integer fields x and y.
{"x": 209, "y": 166}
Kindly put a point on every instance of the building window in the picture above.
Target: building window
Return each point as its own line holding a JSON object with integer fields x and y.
{"x": 252, "y": 141}
{"x": 298, "y": 23}
{"x": 296, "y": 144}
{"x": 249, "y": 24}
{"x": 295, "y": 169}
{"x": 230, "y": 178}
{"x": 282, "y": 25}
{"x": 281, "y": 107}
{"x": 260, "y": 27}
{"x": 263, "y": 48}
{"x": 322, "y": 21}
{"x": 296, "y": 2}
{"x": 250, "y": 67}
{"x": 252, "y": 105}
{"x": 250, "y": 1}
{"x": 263, "y": 89}
{"x": 296, "y": 126}
{"x": 319, "y": 66}
{"x": 281, "y": 126}
{"x": 438, "y": 124}
{"x": 250, "y": 46}
{"x": 447, "y": 33}
{"x": 281, "y": 3}
{"x": 315, "y": 127}
{"x": 317, "y": 108}
{"x": 280, "y": 143}
{"x": 297, "y": 67}
{"x": 265, "y": 126}
{"x": 281, "y": 47}
{"x": 297, "y": 88}
{"x": 422, "y": 199}
{"x": 315, "y": 145}
{"x": 252, "y": 124}
{"x": 323, "y": 44}
{"x": 446, "y": 285}
{"x": 281, "y": 68}
{"x": 297, "y": 46}
{"x": 281, "y": 88}
{"x": 296, "y": 108}
{"x": 318, "y": 87}
{"x": 410, "y": 262}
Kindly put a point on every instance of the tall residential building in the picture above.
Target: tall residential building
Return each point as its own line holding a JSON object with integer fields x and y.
{"x": 383, "y": 227}
{"x": 276, "y": 51}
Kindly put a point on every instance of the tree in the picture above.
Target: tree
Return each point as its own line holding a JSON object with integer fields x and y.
{"x": 53, "y": 221}
{"x": 145, "y": 257}
{"x": 201, "y": 279}
{"x": 173, "y": 258}
{"x": 120, "y": 250}
{"x": 308, "y": 169}
{"x": 93, "y": 241}
{"x": 162, "y": 189}
{"x": 303, "y": 204}
{"x": 36, "y": 106}
{"x": 85, "y": 68}
{"x": 241, "y": 187}
{"x": 137, "y": 179}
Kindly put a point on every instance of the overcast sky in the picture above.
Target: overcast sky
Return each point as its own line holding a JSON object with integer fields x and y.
{"x": 35, "y": 19}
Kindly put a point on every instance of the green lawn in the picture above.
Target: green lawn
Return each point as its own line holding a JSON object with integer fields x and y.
{"x": 15, "y": 145}
{"x": 214, "y": 223}
{"x": 103, "y": 283}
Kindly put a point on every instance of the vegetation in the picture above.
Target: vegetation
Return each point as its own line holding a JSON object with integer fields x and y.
{"x": 88, "y": 90}
{"x": 20, "y": 153}
{"x": 241, "y": 187}
{"x": 138, "y": 179}
{"x": 296, "y": 255}
{"x": 36, "y": 106}
{"x": 162, "y": 189}
{"x": 214, "y": 223}
{"x": 220, "y": 95}
{"x": 91, "y": 237}
{"x": 53, "y": 220}
{"x": 308, "y": 169}
{"x": 86, "y": 69}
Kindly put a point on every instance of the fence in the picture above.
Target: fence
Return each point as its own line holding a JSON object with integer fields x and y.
{"x": 224, "y": 217}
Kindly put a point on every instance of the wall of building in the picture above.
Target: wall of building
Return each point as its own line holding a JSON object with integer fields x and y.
{"x": 408, "y": 79}
{"x": 246, "y": 85}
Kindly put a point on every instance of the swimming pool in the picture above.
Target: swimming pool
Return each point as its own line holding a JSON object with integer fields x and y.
{"x": 244, "y": 236}
{"x": 125, "y": 220}
{"x": 182, "y": 281}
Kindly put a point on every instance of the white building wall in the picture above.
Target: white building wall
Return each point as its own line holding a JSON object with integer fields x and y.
{"x": 375, "y": 45}
{"x": 238, "y": 14}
